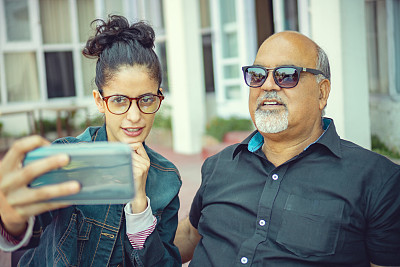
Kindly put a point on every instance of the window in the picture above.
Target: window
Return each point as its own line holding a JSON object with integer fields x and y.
{"x": 113, "y": 7}
{"x": 286, "y": 15}
{"x": 383, "y": 46}
{"x": 377, "y": 46}
{"x": 229, "y": 29}
{"x": 59, "y": 74}
{"x": 86, "y": 15}
{"x": 17, "y": 17}
{"x": 394, "y": 46}
{"x": 152, "y": 11}
{"x": 55, "y": 21}
{"x": 21, "y": 79}
{"x": 162, "y": 56}
{"x": 205, "y": 21}
{"x": 88, "y": 74}
{"x": 291, "y": 15}
{"x": 227, "y": 51}
{"x": 208, "y": 63}
{"x": 48, "y": 36}
{"x": 154, "y": 14}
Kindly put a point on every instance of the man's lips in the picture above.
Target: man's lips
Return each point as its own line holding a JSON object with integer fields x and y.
{"x": 271, "y": 103}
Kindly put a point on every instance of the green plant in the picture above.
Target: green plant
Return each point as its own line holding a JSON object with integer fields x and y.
{"x": 162, "y": 121}
{"x": 218, "y": 127}
{"x": 379, "y": 147}
{"x": 163, "y": 118}
{"x": 98, "y": 120}
{"x": 48, "y": 125}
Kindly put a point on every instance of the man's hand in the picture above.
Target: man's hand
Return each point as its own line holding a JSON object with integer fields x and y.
{"x": 18, "y": 201}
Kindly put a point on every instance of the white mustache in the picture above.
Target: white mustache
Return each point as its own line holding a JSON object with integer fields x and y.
{"x": 270, "y": 95}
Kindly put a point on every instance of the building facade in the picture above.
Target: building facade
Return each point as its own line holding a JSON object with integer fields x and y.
{"x": 202, "y": 45}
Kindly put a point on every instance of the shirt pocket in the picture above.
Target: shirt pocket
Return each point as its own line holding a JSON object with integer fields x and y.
{"x": 310, "y": 227}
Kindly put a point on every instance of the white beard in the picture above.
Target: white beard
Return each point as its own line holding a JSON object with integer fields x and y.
{"x": 271, "y": 121}
{"x": 268, "y": 121}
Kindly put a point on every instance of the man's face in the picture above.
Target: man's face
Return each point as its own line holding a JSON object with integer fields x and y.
{"x": 290, "y": 110}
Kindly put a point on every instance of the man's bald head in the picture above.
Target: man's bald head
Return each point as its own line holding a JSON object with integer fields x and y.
{"x": 298, "y": 44}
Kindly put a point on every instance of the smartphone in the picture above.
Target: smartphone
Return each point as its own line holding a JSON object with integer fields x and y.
{"x": 103, "y": 169}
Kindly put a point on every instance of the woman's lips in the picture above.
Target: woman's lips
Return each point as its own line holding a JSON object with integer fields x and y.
{"x": 132, "y": 132}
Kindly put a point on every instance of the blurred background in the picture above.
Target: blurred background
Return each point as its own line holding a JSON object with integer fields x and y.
{"x": 46, "y": 84}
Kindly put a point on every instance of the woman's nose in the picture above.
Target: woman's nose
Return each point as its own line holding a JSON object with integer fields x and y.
{"x": 133, "y": 113}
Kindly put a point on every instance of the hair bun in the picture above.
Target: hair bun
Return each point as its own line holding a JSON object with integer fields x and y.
{"x": 117, "y": 29}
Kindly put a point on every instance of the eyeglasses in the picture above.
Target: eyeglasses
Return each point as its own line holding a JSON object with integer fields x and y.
{"x": 284, "y": 76}
{"x": 120, "y": 104}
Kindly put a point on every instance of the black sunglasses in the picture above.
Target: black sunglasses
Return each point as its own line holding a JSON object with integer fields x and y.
{"x": 284, "y": 76}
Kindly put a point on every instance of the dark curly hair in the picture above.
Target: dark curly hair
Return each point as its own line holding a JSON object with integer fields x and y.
{"x": 116, "y": 43}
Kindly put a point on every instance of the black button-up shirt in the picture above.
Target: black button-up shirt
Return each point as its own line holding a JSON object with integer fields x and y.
{"x": 335, "y": 204}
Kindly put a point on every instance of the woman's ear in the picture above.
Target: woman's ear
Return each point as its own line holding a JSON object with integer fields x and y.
{"x": 99, "y": 101}
{"x": 324, "y": 90}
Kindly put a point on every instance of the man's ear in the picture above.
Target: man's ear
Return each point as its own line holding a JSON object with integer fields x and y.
{"x": 324, "y": 90}
{"x": 99, "y": 101}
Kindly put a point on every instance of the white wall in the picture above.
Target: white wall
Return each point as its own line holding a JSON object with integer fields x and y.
{"x": 338, "y": 26}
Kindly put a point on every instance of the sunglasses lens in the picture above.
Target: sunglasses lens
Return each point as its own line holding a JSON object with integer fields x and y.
{"x": 255, "y": 77}
{"x": 286, "y": 77}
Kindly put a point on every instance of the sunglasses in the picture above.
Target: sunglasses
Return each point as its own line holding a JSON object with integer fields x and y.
{"x": 120, "y": 104}
{"x": 284, "y": 76}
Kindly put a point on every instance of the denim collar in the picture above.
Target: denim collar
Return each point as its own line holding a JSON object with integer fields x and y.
{"x": 94, "y": 133}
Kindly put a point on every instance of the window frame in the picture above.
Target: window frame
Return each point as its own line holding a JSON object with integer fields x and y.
{"x": 246, "y": 34}
{"x": 36, "y": 45}
{"x": 394, "y": 93}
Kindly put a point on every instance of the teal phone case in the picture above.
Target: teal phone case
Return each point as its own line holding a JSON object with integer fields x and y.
{"x": 104, "y": 170}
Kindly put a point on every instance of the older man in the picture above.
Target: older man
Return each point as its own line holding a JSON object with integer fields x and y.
{"x": 293, "y": 193}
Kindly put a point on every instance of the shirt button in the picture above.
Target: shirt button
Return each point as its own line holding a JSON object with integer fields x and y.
{"x": 261, "y": 222}
{"x": 244, "y": 260}
{"x": 275, "y": 177}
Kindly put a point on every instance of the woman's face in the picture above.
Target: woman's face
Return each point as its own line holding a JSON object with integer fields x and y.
{"x": 133, "y": 126}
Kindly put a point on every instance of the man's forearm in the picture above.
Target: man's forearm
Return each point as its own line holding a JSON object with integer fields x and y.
{"x": 186, "y": 239}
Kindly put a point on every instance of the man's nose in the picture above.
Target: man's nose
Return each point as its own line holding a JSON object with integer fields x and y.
{"x": 269, "y": 83}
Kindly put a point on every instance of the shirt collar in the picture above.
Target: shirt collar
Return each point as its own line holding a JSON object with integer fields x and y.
{"x": 329, "y": 138}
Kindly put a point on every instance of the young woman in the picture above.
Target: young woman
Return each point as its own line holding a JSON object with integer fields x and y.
{"x": 140, "y": 233}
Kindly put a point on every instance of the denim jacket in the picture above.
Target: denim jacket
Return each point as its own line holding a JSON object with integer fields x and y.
{"x": 95, "y": 235}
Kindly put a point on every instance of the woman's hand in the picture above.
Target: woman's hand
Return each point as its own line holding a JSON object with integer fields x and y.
{"x": 18, "y": 201}
{"x": 141, "y": 165}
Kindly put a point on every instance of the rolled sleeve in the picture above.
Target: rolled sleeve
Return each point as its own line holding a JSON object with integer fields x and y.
{"x": 8, "y": 246}
{"x": 139, "y": 226}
